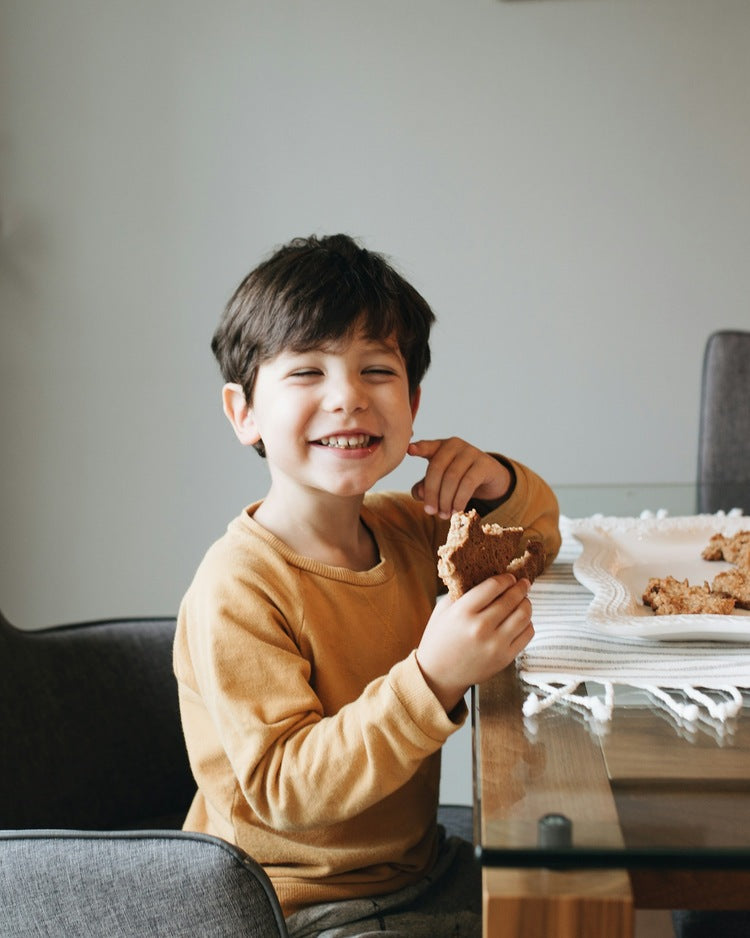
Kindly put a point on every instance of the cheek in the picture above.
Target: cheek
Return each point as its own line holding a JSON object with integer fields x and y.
{"x": 404, "y": 428}
{"x": 409, "y": 410}
{"x": 288, "y": 415}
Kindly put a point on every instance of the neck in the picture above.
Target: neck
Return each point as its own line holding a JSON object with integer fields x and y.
{"x": 329, "y": 529}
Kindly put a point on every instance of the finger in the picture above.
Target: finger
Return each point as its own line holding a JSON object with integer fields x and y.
{"x": 455, "y": 476}
{"x": 509, "y": 612}
{"x": 426, "y": 449}
{"x": 444, "y": 473}
{"x": 459, "y": 485}
{"x": 520, "y": 641}
{"x": 489, "y": 591}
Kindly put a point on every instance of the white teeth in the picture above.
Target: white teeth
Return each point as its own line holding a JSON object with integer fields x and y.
{"x": 346, "y": 442}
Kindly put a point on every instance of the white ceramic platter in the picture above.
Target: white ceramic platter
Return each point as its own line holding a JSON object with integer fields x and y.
{"x": 619, "y": 557}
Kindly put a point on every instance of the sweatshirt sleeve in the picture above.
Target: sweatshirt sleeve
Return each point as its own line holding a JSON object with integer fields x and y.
{"x": 531, "y": 504}
{"x": 247, "y": 698}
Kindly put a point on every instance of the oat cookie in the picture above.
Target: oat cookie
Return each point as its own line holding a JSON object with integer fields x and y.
{"x": 734, "y": 549}
{"x": 734, "y": 583}
{"x": 669, "y": 596}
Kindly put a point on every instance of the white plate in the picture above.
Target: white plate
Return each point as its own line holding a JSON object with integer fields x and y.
{"x": 619, "y": 557}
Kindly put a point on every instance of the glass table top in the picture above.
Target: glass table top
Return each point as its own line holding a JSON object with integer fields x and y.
{"x": 642, "y": 789}
{"x": 642, "y": 792}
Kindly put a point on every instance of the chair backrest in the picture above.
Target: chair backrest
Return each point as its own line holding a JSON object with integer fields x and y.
{"x": 90, "y": 731}
{"x": 724, "y": 427}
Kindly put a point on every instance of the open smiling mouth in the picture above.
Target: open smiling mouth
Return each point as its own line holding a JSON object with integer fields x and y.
{"x": 357, "y": 441}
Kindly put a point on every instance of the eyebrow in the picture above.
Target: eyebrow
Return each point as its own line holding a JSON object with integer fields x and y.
{"x": 368, "y": 345}
{"x": 379, "y": 346}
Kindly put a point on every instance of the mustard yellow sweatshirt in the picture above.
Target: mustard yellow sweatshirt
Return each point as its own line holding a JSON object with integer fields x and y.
{"x": 313, "y": 737}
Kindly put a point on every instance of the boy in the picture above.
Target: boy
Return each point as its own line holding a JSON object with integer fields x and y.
{"x": 318, "y": 678}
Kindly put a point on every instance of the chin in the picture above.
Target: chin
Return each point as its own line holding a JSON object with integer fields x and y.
{"x": 351, "y": 488}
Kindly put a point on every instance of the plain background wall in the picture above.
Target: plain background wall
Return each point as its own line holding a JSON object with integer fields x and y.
{"x": 566, "y": 181}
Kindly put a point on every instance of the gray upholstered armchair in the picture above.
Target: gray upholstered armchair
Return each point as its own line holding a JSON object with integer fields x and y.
{"x": 94, "y": 786}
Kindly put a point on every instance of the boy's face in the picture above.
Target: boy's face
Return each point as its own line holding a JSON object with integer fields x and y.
{"x": 334, "y": 419}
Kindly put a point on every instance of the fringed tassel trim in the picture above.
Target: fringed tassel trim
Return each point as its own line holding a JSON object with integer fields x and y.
{"x": 601, "y": 709}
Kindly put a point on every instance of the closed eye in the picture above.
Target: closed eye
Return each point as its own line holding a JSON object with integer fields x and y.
{"x": 379, "y": 371}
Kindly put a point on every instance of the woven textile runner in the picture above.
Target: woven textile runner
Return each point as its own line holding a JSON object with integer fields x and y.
{"x": 693, "y": 679}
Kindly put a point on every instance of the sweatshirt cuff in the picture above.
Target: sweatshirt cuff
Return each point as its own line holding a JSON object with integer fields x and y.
{"x": 422, "y": 706}
{"x": 483, "y": 506}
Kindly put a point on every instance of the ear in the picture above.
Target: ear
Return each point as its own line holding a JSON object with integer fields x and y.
{"x": 415, "y": 399}
{"x": 240, "y": 414}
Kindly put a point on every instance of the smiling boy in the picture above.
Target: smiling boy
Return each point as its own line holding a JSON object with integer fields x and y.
{"x": 318, "y": 677}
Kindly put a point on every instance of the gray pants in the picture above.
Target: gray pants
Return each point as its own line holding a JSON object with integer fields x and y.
{"x": 446, "y": 904}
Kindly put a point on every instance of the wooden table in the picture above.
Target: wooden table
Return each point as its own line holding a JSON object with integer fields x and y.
{"x": 643, "y": 784}
{"x": 640, "y": 784}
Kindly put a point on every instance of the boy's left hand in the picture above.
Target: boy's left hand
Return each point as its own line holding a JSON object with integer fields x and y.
{"x": 456, "y": 473}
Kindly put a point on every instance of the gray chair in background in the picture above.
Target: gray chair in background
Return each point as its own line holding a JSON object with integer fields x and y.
{"x": 723, "y": 483}
{"x": 95, "y": 784}
{"x": 724, "y": 435}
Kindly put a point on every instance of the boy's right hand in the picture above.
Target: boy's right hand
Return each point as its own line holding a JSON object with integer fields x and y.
{"x": 469, "y": 640}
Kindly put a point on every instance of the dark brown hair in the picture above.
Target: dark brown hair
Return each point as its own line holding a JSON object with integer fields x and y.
{"x": 316, "y": 290}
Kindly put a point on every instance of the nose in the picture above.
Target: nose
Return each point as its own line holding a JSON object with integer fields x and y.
{"x": 345, "y": 394}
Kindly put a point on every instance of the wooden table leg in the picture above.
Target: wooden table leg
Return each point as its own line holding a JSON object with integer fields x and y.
{"x": 519, "y": 778}
{"x": 548, "y": 904}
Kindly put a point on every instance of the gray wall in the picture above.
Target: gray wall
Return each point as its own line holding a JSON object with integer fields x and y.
{"x": 567, "y": 181}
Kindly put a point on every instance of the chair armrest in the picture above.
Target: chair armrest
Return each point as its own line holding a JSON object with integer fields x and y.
{"x": 133, "y": 883}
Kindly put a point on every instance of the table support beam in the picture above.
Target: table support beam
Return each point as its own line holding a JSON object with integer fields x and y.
{"x": 534, "y": 903}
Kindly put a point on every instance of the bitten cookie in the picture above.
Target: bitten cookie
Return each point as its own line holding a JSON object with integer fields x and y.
{"x": 530, "y": 564}
{"x": 474, "y": 551}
